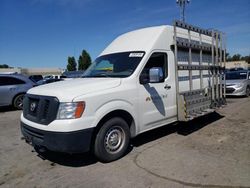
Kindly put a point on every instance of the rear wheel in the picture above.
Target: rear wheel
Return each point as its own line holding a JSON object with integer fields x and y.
{"x": 248, "y": 91}
{"x": 18, "y": 102}
{"x": 112, "y": 140}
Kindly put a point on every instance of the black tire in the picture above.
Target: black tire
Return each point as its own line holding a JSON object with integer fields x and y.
{"x": 112, "y": 140}
{"x": 248, "y": 91}
{"x": 18, "y": 102}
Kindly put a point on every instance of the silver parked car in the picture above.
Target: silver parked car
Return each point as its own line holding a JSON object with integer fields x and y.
{"x": 12, "y": 89}
{"x": 238, "y": 83}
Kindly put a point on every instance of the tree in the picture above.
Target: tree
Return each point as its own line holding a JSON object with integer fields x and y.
{"x": 236, "y": 57}
{"x": 71, "y": 64}
{"x": 84, "y": 60}
{"x": 4, "y": 66}
{"x": 246, "y": 58}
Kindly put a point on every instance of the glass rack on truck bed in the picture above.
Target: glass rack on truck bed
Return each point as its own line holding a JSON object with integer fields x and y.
{"x": 200, "y": 57}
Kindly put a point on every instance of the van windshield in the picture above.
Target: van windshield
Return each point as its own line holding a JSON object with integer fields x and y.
{"x": 115, "y": 65}
{"x": 236, "y": 75}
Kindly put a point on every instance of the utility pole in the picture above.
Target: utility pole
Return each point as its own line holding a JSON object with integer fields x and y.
{"x": 182, "y": 4}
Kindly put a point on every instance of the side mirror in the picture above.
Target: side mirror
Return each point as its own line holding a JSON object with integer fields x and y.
{"x": 144, "y": 78}
{"x": 155, "y": 75}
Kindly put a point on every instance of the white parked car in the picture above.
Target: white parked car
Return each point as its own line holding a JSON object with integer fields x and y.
{"x": 238, "y": 83}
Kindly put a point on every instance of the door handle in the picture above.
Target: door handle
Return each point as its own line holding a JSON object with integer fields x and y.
{"x": 167, "y": 86}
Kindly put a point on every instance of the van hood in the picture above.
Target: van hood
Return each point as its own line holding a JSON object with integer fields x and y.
{"x": 66, "y": 91}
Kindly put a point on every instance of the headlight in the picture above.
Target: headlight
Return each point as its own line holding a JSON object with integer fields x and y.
{"x": 239, "y": 85}
{"x": 70, "y": 110}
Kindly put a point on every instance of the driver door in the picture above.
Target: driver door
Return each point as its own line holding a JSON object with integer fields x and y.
{"x": 157, "y": 100}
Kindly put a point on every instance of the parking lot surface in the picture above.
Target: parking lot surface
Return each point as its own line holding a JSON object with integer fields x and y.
{"x": 212, "y": 151}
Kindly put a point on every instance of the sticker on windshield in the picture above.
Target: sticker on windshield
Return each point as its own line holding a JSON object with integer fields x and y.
{"x": 135, "y": 54}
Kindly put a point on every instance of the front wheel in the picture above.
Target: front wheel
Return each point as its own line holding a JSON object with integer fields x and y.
{"x": 112, "y": 140}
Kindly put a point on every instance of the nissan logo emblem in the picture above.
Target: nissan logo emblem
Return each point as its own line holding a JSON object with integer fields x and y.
{"x": 32, "y": 106}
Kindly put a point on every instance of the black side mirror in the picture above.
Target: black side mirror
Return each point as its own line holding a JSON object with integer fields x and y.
{"x": 144, "y": 78}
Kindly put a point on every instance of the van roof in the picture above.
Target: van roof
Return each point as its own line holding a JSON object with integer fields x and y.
{"x": 145, "y": 39}
{"x": 153, "y": 38}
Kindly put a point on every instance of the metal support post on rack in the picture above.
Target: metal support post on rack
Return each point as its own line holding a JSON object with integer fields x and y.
{"x": 217, "y": 97}
{"x": 212, "y": 72}
{"x": 225, "y": 51}
{"x": 190, "y": 62}
{"x": 221, "y": 71}
{"x": 176, "y": 69}
{"x": 200, "y": 63}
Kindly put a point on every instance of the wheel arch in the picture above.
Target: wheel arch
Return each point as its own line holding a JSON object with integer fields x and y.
{"x": 125, "y": 115}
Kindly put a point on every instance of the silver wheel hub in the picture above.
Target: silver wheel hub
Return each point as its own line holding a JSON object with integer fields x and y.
{"x": 19, "y": 101}
{"x": 114, "y": 140}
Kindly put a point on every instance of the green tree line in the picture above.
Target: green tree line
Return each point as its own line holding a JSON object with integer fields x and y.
{"x": 238, "y": 57}
{"x": 4, "y": 66}
{"x": 84, "y": 62}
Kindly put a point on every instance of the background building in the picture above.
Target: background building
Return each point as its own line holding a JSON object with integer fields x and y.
{"x": 33, "y": 71}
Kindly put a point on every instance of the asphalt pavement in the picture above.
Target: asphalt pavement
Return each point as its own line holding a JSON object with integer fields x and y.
{"x": 212, "y": 151}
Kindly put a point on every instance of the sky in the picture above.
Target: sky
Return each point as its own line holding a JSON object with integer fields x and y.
{"x": 43, "y": 33}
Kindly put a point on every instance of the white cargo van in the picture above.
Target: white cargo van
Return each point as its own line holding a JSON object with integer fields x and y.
{"x": 144, "y": 79}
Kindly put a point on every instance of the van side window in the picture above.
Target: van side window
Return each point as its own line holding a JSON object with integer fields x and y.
{"x": 157, "y": 59}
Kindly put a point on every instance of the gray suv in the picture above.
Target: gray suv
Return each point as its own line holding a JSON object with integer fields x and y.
{"x": 238, "y": 83}
{"x": 12, "y": 89}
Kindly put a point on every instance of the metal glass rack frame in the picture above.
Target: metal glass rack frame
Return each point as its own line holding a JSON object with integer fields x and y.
{"x": 197, "y": 102}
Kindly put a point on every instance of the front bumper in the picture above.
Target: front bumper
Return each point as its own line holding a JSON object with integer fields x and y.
{"x": 67, "y": 142}
{"x": 234, "y": 91}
